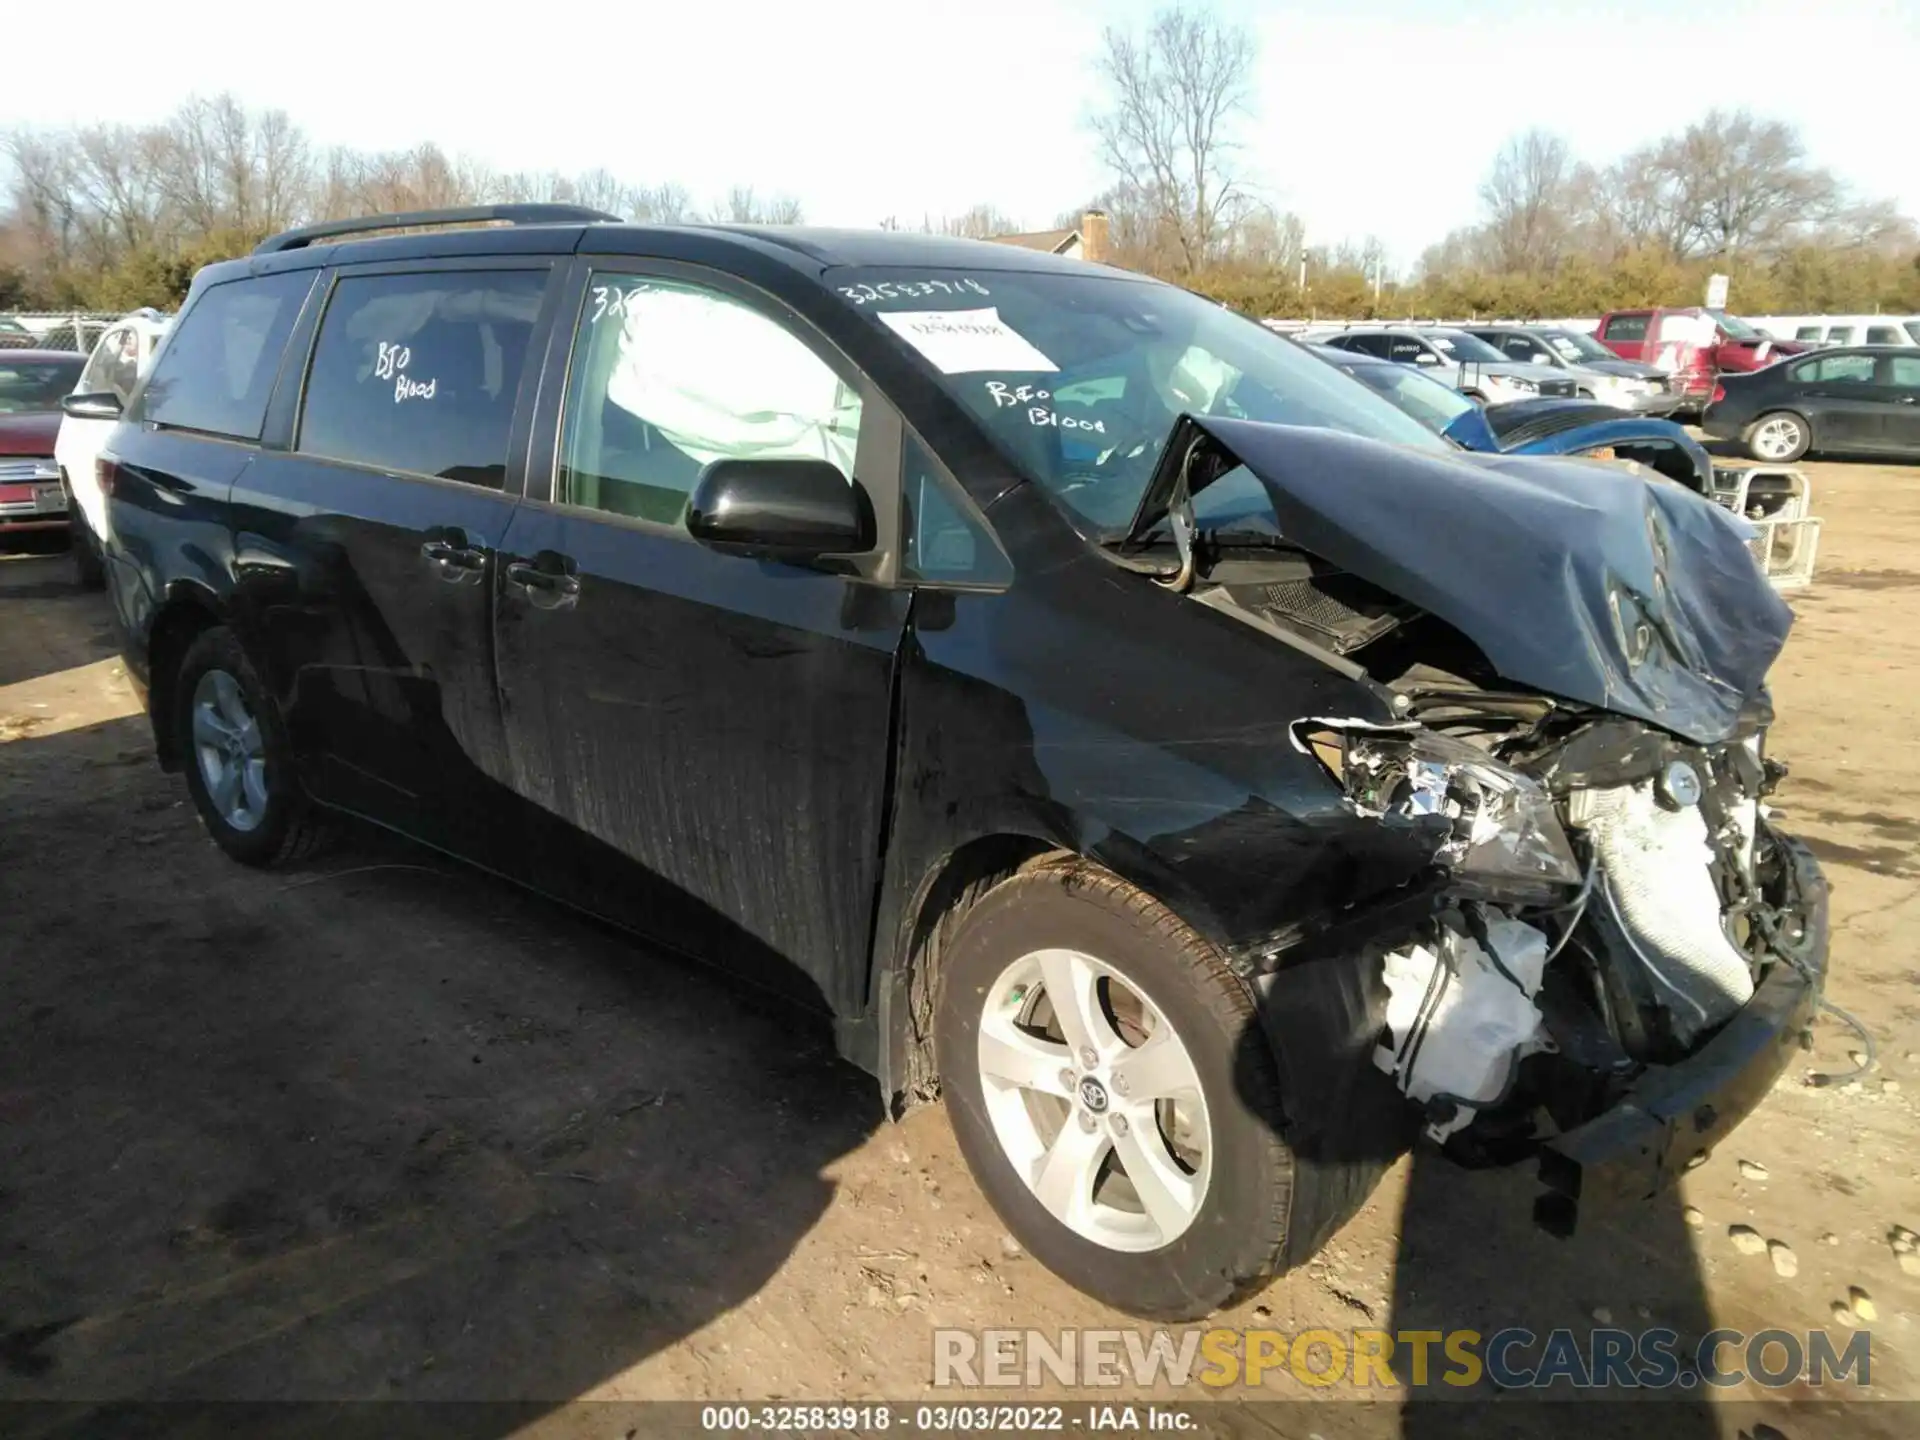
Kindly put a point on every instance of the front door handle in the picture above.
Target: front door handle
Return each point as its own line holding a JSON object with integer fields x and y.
{"x": 548, "y": 579}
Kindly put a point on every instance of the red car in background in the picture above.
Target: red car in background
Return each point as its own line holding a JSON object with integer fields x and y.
{"x": 1695, "y": 345}
{"x": 32, "y": 384}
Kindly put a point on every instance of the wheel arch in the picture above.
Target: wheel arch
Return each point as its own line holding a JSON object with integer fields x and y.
{"x": 188, "y": 611}
{"x": 908, "y": 968}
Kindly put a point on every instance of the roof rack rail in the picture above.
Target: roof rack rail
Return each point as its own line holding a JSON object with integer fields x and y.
{"x": 305, "y": 235}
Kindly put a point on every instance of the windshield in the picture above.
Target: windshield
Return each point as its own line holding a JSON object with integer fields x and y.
{"x": 1458, "y": 345}
{"x": 27, "y": 386}
{"x": 1079, "y": 378}
{"x": 1734, "y": 326}
{"x": 1574, "y": 346}
{"x": 1434, "y": 405}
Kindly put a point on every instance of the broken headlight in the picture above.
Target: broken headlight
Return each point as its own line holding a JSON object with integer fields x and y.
{"x": 1495, "y": 823}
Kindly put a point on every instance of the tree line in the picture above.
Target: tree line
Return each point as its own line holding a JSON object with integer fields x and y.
{"x": 110, "y": 217}
{"x": 1732, "y": 193}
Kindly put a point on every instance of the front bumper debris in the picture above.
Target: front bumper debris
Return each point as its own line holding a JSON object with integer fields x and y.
{"x": 1675, "y": 1114}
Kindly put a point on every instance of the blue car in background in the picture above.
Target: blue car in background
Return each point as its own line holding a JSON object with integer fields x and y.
{"x": 1531, "y": 427}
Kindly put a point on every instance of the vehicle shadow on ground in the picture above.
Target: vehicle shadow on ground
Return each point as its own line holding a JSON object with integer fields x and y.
{"x": 1469, "y": 1257}
{"x": 360, "y": 1132}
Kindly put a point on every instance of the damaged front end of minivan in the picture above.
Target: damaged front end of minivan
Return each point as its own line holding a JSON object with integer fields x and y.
{"x": 1621, "y": 953}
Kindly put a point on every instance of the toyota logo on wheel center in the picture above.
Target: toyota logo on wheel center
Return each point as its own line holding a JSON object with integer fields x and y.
{"x": 1093, "y": 1094}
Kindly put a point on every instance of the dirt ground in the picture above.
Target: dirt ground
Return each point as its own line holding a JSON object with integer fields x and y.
{"x": 382, "y": 1128}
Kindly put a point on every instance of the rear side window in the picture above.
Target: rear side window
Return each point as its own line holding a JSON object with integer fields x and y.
{"x": 417, "y": 373}
{"x": 1840, "y": 335}
{"x": 1857, "y": 369}
{"x": 1627, "y": 327}
{"x": 1807, "y": 332}
{"x": 217, "y": 370}
{"x": 1882, "y": 335}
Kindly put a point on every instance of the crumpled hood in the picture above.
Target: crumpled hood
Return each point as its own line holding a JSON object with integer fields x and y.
{"x": 1573, "y": 578}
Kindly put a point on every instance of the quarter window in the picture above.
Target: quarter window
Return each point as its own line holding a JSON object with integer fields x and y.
{"x": 217, "y": 370}
{"x": 667, "y": 377}
{"x": 418, "y": 372}
{"x": 947, "y": 541}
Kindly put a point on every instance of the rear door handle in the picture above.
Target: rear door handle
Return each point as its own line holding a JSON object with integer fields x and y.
{"x": 548, "y": 579}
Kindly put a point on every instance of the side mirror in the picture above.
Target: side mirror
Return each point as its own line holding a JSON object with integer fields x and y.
{"x": 1426, "y": 357}
{"x": 94, "y": 405}
{"x": 793, "y": 510}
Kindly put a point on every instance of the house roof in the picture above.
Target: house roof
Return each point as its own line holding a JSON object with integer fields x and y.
{"x": 1051, "y": 241}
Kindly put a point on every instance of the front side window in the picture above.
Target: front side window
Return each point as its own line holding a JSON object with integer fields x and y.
{"x": 107, "y": 370}
{"x": 668, "y": 377}
{"x": 418, "y": 373}
{"x": 1904, "y": 372}
{"x": 217, "y": 371}
{"x": 1079, "y": 378}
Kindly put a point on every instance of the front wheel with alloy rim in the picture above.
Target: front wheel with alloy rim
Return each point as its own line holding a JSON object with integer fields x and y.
{"x": 1778, "y": 438}
{"x": 234, "y": 750}
{"x": 1111, "y": 1091}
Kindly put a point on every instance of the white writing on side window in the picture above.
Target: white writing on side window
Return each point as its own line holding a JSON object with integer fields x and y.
{"x": 390, "y": 363}
{"x": 958, "y": 342}
{"x": 606, "y": 300}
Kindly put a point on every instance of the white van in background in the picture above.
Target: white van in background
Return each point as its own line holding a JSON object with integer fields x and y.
{"x": 121, "y": 356}
{"x": 1901, "y": 330}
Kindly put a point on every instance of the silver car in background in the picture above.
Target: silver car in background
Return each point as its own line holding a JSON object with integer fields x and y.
{"x": 1470, "y": 365}
{"x": 1597, "y": 372}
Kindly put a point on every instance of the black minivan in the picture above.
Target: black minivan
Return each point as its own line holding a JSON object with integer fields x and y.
{"x": 1127, "y": 727}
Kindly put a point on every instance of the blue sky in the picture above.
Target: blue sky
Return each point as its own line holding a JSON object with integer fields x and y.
{"x": 1370, "y": 115}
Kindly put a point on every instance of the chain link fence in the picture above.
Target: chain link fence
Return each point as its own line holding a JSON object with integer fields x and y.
{"x": 75, "y": 330}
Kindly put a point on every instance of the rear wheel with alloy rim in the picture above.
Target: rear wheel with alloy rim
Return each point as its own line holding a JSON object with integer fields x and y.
{"x": 234, "y": 750}
{"x": 1111, "y": 1091}
{"x": 1778, "y": 438}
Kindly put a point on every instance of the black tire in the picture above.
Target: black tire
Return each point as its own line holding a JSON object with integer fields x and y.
{"x": 87, "y": 558}
{"x": 1238, "y": 1235}
{"x": 291, "y": 828}
{"x": 1780, "y": 417}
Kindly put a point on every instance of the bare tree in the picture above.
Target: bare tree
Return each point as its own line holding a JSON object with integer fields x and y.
{"x": 1741, "y": 184}
{"x": 979, "y": 222}
{"x": 1527, "y": 195}
{"x": 742, "y": 206}
{"x": 1167, "y": 134}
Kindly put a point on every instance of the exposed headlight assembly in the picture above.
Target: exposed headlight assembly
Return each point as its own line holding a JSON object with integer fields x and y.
{"x": 1493, "y": 823}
